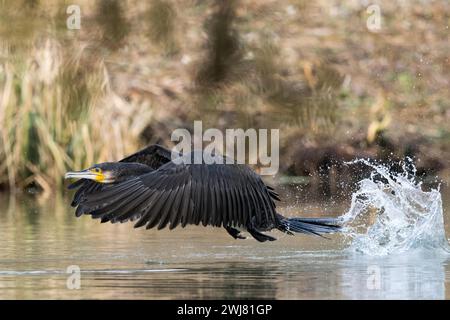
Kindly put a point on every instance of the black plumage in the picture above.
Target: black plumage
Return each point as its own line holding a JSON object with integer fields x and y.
{"x": 151, "y": 189}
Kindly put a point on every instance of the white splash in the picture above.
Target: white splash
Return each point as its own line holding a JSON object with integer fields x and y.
{"x": 391, "y": 213}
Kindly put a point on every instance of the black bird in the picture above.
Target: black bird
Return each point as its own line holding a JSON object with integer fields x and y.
{"x": 157, "y": 192}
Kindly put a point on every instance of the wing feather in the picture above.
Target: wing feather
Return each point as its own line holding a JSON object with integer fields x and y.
{"x": 181, "y": 194}
{"x": 153, "y": 156}
{"x": 165, "y": 212}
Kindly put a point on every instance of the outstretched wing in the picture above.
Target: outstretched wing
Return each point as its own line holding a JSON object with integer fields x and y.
{"x": 153, "y": 156}
{"x": 184, "y": 194}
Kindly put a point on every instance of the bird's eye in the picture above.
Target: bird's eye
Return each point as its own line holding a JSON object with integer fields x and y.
{"x": 97, "y": 170}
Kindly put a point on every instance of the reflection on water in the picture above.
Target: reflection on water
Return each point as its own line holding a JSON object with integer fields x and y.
{"x": 40, "y": 240}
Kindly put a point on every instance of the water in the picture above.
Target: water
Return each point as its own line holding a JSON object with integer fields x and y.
{"x": 404, "y": 215}
{"x": 395, "y": 247}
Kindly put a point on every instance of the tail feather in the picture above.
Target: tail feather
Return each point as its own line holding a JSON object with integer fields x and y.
{"x": 316, "y": 226}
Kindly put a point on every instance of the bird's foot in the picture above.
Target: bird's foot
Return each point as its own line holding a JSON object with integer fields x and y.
{"x": 261, "y": 237}
{"x": 235, "y": 233}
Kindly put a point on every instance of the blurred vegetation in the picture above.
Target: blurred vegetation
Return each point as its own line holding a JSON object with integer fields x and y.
{"x": 113, "y": 24}
{"x": 137, "y": 70}
{"x": 162, "y": 17}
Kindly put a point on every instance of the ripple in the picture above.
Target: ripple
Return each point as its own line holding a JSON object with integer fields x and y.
{"x": 96, "y": 271}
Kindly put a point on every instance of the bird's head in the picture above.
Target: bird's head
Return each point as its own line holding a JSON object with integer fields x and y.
{"x": 110, "y": 172}
{"x": 103, "y": 172}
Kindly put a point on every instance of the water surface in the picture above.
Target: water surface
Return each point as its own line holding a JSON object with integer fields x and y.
{"x": 41, "y": 238}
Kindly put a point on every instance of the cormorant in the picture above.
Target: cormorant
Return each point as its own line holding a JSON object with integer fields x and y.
{"x": 149, "y": 187}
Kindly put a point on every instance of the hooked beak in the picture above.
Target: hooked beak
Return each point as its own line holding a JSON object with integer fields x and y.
{"x": 85, "y": 174}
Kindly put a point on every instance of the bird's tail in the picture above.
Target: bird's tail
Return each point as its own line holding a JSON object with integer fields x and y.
{"x": 315, "y": 226}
